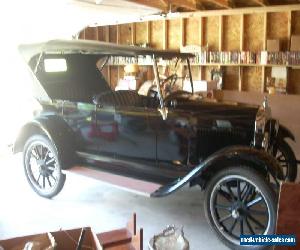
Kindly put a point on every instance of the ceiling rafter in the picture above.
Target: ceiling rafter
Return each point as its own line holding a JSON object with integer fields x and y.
{"x": 165, "y": 5}
{"x": 262, "y": 2}
{"x": 188, "y": 4}
{"x": 227, "y": 4}
{"x": 154, "y": 4}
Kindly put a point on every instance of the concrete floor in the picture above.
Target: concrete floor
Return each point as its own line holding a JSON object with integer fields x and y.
{"x": 86, "y": 202}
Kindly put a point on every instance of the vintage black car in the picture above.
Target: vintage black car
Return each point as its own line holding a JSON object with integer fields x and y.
{"x": 170, "y": 136}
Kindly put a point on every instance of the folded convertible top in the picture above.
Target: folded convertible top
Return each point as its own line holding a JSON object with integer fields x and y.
{"x": 94, "y": 47}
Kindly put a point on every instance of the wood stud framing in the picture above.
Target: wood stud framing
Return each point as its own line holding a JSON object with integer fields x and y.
{"x": 265, "y": 35}
{"x": 227, "y": 4}
{"x": 165, "y": 34}
{"x": 133, "y": 35}
{"x": 221, "y": 26}
{"x": 182, "y": 32}
{"x": 200, "y": 17}
{"x": 148, "y": 32}
{"x": 261, "y": 2}
{"x": 241, "y": 71}
{"x": 201, "y": 37}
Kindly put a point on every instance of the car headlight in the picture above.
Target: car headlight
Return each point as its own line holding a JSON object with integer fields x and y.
{"x": 261, "y": 136}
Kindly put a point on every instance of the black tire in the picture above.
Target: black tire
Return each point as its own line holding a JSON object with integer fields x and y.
{"x": 47, "y": 180}
{"x": 249, "y": 190}
{"x": 286, "y": 158}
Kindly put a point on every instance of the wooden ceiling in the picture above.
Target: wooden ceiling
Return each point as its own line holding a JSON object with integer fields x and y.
{"x": 198, "y": 5}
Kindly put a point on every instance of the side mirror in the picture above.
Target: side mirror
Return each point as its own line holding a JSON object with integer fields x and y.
{"x": 164, "y": 112}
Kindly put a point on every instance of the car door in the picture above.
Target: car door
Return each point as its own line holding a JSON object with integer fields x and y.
{"x": 123, "y": 133}
{"x": 80, "y": 116}
{"x": 173, "y": 140}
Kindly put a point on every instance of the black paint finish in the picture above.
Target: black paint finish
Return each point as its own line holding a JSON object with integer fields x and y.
{"x": 127, "y": 130}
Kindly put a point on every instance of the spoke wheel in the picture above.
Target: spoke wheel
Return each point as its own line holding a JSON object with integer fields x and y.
{"x": 286, "y": 158}
{"x": 239, "y": 201}
{"x": 42, "y": 167}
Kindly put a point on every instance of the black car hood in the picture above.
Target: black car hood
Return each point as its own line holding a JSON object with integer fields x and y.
{"x": 222, "y": 115}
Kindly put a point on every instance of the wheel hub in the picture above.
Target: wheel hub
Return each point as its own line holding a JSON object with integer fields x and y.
{"x": 43, "y": 170}
{"x": 238, "y": 210}
{"x": 235, "y": 213}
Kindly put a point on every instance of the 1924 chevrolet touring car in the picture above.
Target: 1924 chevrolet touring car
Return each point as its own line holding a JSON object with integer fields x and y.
{"x": 170, "y": 136}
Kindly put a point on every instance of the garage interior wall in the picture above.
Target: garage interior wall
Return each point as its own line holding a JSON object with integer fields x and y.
{"x": 228, "y": 31}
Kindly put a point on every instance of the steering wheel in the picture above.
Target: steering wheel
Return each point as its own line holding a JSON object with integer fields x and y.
{"x": 152, "y": 91}
{"x": 171, "y": 79}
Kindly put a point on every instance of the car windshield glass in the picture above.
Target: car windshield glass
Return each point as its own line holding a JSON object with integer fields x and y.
{"x": 136, "y": 73}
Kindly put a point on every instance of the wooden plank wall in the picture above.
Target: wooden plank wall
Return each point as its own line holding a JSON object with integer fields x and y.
{"x": 228, "y": 33}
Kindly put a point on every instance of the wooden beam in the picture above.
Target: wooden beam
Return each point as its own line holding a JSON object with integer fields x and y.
{"x": 207, "y": 13}
{"x": 133, "y": 35}
{"x": 221, "y": 30}
{"x": 201, "y": 31}
{"x": 262, "y": 2}
{"x": 182, "y": 32}
{"x": 188, "y": 4}
{"x": 165, "y": 34}
{"x": 242, "y": 27}
{"x": 161, "y": 5}
{"x": 241, "y": 69}
{"x": 241, "y": 72}
{"x": 165, "y": 3}
{"x": 107, "y": 38}
{"x": 227, "y": 4}
{"x": 265, "y": 31}
{"x": 228, "y": 12}
{"x": 265, "y": 37}
{"x": 149, "y": 32}
{"x": 289, "y": 30}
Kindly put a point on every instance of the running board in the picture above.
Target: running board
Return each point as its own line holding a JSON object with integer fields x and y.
{"x": 126, "y": 183}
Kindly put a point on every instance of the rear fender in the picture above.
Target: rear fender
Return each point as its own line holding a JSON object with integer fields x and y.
{"x": 239, "y": 155}
{"x": 57, "y": 130}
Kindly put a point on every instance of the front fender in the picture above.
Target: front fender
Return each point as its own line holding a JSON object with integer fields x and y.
{"x": 57, "y": 130}
{"x": 284, "y": 132}
{"x": 243, "y": 155}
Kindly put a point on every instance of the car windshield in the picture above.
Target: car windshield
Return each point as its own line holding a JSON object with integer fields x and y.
{"x": 138, "y": 73}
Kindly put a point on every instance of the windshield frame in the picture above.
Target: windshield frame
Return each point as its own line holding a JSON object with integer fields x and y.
{"x": 157, "y": 80}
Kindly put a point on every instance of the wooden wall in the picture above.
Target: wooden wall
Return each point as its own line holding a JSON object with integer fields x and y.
{"x": 221, "y": 32}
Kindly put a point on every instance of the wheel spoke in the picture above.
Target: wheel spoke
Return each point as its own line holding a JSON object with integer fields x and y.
{"x": 225, "y": 218}
{"x": 254, "y": 202}
{"x": 52, "y": 177}
{"x": 238, "y": 183}
{"x": 256, "y": 221}
{"x": 41, "y": 152}
{"x": 249, "y": 226}
{"x": 38, "y": 179}
{"x": 257, "y": 212}
{"x": 44, "y": 179}
{"x": 223, "y": 207}
{"x": 232, "y": 226}
{"x": 50, "y": 161}
{"x": 242, "y": 226}
{"x": 46, "y": 154}
{"x": 247, "y": 193}
{"x": 225, "y": 195}
{"x": 34, "y": 154}
{"x": 230, "y": 192}
{"x": 49, "y": 181}
{"x": 37, "y": 153}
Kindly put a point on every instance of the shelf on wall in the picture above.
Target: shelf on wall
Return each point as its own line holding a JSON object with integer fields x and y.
{"x": 221, "y": 64}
